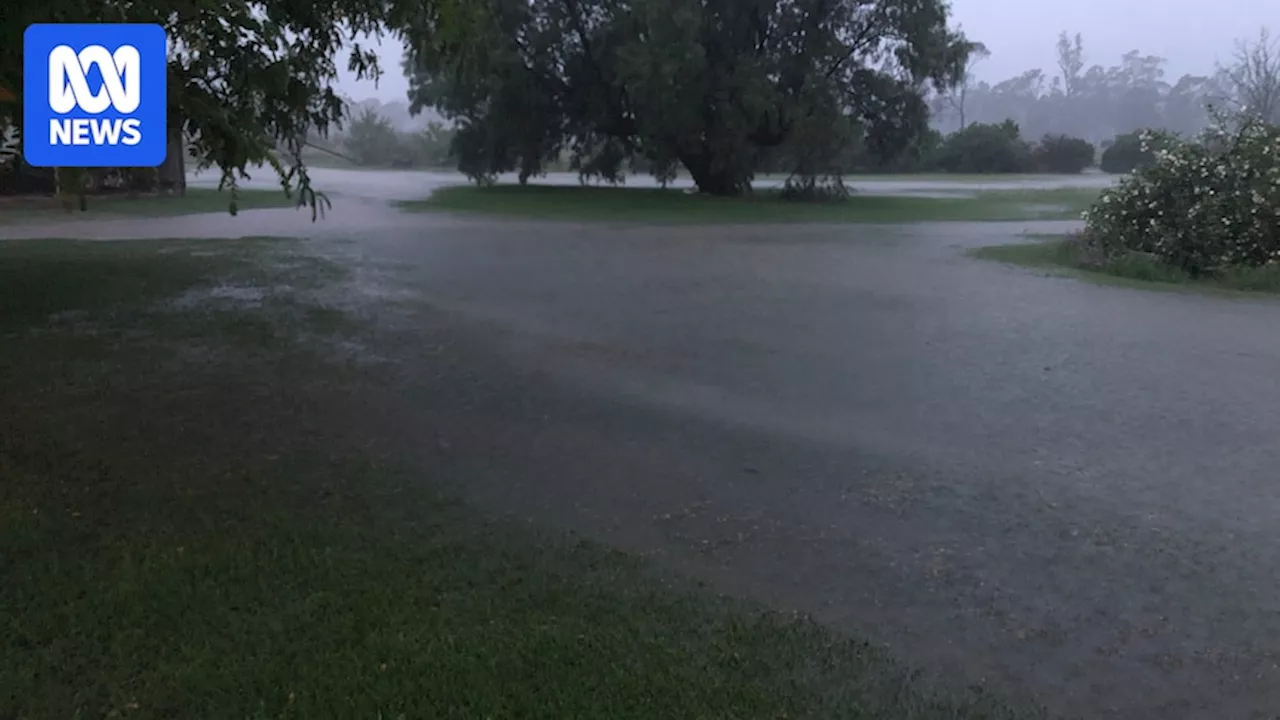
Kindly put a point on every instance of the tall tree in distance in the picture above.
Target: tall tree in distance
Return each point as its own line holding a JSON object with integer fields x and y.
{"x": 1101, "y": 101}
{"x": 711, "y": 85}
{"x": 957, "y": 96}
{"x": 1070, "y": 62}
{"x": 1253, "y": 76}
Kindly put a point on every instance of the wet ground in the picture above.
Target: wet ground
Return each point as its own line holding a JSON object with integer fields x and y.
{"x": 398, "y": 184}
{"x": 1068, "y": 492}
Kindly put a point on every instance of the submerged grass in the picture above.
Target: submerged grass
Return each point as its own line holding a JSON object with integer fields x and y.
{"x": 673, "y": 206}
{"x": 194, "y": 522}
{"x": 196, "y": 200}
{"x": 1137, "y": 270}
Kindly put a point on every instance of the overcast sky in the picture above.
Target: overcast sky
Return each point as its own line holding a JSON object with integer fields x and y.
{"x": 1023, "y": 34}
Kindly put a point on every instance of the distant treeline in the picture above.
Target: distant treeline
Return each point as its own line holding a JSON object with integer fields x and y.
{"x": 1061, "y": 122}
{"x": 1099, "y": 102}
{"x": 370, "y": 140}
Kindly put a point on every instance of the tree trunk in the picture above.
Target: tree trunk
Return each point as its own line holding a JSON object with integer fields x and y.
{"x": 724, "y": 180}
{"x": 71, "y": 187}
{"x": 179, "y": 143}
{"x": 173, "y": 174}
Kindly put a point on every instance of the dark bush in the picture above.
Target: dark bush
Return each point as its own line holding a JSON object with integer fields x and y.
{"x": 19, "y": 178}
{"x": 920, "y": 155}
{"x": 1124, "y": 154}
{"x": 1063, "y": 154}
{"x": 981, "y": 148}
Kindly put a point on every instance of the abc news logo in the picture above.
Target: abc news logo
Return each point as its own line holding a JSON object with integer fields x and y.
{"x": 96, "y": 95}
{"x": 69, "y": 90}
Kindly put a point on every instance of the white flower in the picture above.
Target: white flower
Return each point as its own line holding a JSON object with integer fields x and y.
{"x": 10, "y": 142}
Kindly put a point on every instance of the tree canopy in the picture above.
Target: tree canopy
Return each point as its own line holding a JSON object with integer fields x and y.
{"x": 716, "y": 86}
{"x": 722, "y": 88}
{"x": 249, "y": 77}
{"x": 1253, "y": 76}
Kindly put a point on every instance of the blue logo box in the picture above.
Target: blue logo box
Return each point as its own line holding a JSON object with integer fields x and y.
{"x": 94, "y": 95}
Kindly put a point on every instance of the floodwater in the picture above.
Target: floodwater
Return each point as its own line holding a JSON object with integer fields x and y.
{"x": 409, "y": 184}
{"x": 1063, "y": 491}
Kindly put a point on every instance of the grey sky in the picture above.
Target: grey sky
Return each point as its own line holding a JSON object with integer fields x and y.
{"x": 1022, "y": 35}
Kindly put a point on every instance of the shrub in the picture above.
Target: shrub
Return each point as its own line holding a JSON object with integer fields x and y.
{"x": 430, "y": 146}
{"x": 10, "y": 142}
{"x": 810, "y": 188}
{"x": 1208, "y": 206}
{"x": 372, "y": 140}
{"x": 920, "y": 155}
{"x": 1063, "y": 154}
{"x": 982, "y": 148}
{"x": 1124, "y": 154}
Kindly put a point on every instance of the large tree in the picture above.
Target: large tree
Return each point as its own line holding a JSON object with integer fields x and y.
{"x": 712, "y": 85}
{"x": 1253, "y": 76}
{"x": 952, "y": 100}
{"x": 247, "y": 77}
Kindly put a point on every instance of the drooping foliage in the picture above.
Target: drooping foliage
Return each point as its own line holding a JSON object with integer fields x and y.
{"x": 718, "y": 87}
{"x": 247, "y": 77}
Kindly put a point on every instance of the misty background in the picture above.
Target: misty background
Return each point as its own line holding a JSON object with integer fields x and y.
{"x": 1190, "y": 37}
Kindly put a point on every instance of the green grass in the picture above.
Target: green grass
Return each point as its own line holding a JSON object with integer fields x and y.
{"x": 1062, "y": 254}
{"x": 196, "y": 521}
{"x": 42, "y": 278}
{"x": 673, "y": 206}
{"x": 976, "y": 178}
{"x": 196, "y": 200}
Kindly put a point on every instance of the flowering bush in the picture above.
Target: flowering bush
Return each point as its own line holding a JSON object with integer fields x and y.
{"x": 10, "y": 142}
{"x": 1205, "y": 206}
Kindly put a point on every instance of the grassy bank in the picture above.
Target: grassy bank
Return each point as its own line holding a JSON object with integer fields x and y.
{"x": 673, "y": 206}
{"x": 975, "y": 178}
{"x": 196, "y": 200}
{"x": 197, "y": 519}
{"x": 1063, "y": 254}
